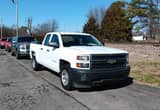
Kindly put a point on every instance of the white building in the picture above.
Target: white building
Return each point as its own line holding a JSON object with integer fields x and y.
{"x": 138, "y": 38}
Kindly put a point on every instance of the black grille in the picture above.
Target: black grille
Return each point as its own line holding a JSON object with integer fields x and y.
{"x": 28, "y": 46}
{"x": 108, "y": 61}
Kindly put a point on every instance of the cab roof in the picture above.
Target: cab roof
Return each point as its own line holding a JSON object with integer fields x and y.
{"x": 69, "y": 33}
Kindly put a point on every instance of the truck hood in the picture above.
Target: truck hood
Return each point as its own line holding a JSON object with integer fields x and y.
{"x": 96, "y": 50}
{"x": 23, "y": 43}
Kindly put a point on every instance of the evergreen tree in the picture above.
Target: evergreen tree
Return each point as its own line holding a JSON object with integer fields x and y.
{"x": 116, "y": 25}
{"x": 92, "y": 27}
{"x": 145, "y": 14}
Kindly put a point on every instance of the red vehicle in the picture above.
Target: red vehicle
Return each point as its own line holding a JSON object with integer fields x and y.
{"x": 8, "y": 44}
{"x": 2, "y": 43}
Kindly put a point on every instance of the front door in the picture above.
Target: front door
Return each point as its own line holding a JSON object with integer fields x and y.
{"x": 52, "y": 54}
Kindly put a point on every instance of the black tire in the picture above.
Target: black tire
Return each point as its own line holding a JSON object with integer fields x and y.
{"x": 35, "y": 65}
{"x": 66, "y": 78}
{"x": 6, "y": 49}
{"x": 12, "y": 53}
{"x": 17, "y": 55}
{"x": 9, "y": 50}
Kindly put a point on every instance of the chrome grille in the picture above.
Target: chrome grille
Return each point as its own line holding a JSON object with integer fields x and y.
{"x": 108, "y": 61}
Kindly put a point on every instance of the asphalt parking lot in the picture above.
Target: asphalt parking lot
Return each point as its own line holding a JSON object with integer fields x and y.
{"x": 21, "y": 88}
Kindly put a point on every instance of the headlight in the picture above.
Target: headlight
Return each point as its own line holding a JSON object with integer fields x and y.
{"x": 83, "y": 61}
{"x": 22, "y": 46}
{"x": 82, "y": 65}
{"x": 84, "y": 58}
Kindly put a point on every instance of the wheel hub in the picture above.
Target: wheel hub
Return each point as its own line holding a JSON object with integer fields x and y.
{"x": 65, "y": 77}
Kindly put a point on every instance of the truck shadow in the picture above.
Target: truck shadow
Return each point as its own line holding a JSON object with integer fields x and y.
{"x": 109, "y": 86}
{"x": 24, "y": 58}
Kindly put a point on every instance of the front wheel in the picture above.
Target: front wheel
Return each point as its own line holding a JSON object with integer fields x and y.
{"x": 12, "y": 52}
{"x": 35, "y": 65}
{"x": 66, "y": 79}
{"x": 17, "y": 55}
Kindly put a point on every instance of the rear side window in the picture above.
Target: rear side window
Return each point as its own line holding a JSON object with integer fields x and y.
{"x": 46, "y": 43}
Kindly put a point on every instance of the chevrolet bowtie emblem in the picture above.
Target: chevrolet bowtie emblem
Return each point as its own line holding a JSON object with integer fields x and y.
{"x": 111, "y": 61}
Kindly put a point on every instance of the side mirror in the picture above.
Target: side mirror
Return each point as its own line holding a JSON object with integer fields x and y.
{"x": 54, "y": 44}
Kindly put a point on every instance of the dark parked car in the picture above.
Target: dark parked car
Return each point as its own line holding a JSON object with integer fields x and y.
{"x": 2, "y": 42}
{"x": 21, "y": 45}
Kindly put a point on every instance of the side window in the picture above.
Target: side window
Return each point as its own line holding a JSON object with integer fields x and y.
{"x": 47, "y": 40}
{"x": 55, "y": 39}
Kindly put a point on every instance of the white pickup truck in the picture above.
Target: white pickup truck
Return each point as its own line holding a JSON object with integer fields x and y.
{"x": 81, "y": 60}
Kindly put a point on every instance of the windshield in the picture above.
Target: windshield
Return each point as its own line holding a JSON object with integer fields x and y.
{"x": 26, "y": 39}
{"x": 9, "y": 39}
{"x": 4, "y": 39}
{"x": 80, "y": 40}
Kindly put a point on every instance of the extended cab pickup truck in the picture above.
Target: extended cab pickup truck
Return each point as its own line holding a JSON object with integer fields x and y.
{"x": 80, "y": 59}
{"x": 21, "y": 45}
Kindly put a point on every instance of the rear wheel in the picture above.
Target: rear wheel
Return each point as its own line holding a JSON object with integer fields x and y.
{"x": 12, "y": 53}
{"x": 9, "y": 50}
{"x": 66, "y": 78}
{"x": 6, "y": 49}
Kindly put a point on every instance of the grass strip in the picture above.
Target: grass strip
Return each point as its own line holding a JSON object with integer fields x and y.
{"x": 149, "y": 79}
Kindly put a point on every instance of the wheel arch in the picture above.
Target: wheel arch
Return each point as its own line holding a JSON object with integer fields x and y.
{"x": 33, "y": 54}
{"x": 63, "y": 62}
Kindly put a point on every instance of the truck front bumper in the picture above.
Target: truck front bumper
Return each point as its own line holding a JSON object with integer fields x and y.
{"x": 90, "y": 78}
{"x": 2, "y": 46}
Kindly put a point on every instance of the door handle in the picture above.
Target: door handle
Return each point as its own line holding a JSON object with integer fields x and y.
{"x": 47, "y": 50}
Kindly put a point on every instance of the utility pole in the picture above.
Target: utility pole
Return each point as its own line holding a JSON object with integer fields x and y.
{"x": 17, "y": 17}
{"x": 16, "y": 2}
{"x": 1, "y": 29}
{"x": 29, "y": 23}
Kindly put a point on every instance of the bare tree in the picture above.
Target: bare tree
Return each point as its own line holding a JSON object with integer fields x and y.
{"x": 97, "y": 14}
{"x": 8, "y": 32}
{"x": 157, "y": 28}
{"x": 41, "y": 29}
